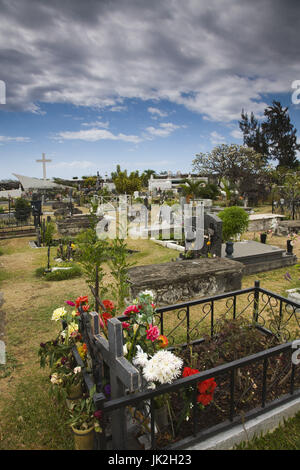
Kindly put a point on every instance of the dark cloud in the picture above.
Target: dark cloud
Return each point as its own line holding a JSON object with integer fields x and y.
{"x": 213, "y": 57}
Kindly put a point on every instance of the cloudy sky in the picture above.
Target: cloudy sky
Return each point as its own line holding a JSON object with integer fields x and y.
{"x": 146, "y": 84}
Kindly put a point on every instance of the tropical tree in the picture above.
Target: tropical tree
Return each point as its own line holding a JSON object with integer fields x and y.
{"x": 241, "y": 166}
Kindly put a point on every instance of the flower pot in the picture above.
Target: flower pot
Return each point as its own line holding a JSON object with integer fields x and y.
{"x": 84, "y": 440}
{"x": 75, "y": 391}
{"x": 229, "y": 249}
{"x": 263, "y": 238}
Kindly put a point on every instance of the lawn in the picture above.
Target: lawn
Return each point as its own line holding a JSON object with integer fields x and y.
{"x": 29, "y": 418}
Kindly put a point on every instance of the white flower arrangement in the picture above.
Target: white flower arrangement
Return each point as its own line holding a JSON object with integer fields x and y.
{"x": 162, "y": 368}
{"x": 141, "y": 358}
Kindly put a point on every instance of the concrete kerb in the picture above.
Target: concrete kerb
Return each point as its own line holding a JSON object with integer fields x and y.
{"x": 255, "y": 427}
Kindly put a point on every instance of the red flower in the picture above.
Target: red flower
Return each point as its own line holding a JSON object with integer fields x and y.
{"x": 130, "y": 309}
{"x": 125, "y": 325}
{"x": 206, "y": 390}
{"x": 204, "y": 399}
{"x": 81, "y": 300}
{"x": 152, "y": 333}
{"x": 109, "y": 305}
{"x": 187, "y": 371}
{"x": 85, "y": 308}
{"x": 106, "y": 316}
{"x": 207, "y": 386}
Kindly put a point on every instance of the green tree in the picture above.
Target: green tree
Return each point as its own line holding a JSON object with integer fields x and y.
{"x": 126, "y": 184}
{"x": 241, "y": 166}
{"x": 253, "y": 134}
{"x": 281, "y": 136}
{"x": 191, "y": 188}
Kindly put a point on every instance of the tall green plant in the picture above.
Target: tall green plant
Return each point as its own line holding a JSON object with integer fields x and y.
{"x": 119, "y": 270}
{"x": 92, "y": 253}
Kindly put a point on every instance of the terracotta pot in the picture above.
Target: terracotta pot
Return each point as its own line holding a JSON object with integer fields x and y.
{"x": 74, "y": 392}
{"x": 84, "y": 440}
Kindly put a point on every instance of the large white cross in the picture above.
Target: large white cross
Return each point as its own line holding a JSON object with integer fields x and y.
{"x": 44, "y": 161}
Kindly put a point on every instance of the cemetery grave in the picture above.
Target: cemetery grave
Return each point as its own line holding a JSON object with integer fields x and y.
{"x": 250, "y": 372}
{"x": 208, "y": 314}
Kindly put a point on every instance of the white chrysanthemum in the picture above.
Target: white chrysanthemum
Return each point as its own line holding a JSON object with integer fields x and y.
{"x": 58, "y": 314}
{"x": 141, "y": 358}
{"x": 163, "y": 367}
{"x": 77, "y": 370}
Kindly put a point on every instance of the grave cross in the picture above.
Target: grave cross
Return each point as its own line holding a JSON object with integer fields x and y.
{"x": 44, "y": 161}
{"x": 122, "y": 373}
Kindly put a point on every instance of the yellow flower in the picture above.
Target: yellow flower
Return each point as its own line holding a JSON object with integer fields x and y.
{"x": 58, "y": 314}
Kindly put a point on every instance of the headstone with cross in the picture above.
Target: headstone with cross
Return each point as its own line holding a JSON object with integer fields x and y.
{"x": 123, "y": 375}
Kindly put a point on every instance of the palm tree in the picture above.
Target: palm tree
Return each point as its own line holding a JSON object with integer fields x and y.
{"x": 191, "y": 189}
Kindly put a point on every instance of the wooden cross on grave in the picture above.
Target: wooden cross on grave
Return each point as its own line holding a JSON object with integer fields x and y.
{"x": 123, "y": 375}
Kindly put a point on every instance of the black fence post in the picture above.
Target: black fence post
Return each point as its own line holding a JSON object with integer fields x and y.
{"x": 256, "y": 301}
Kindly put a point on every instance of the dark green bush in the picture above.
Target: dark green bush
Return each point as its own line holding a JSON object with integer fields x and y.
{"x": 22, "y": 209}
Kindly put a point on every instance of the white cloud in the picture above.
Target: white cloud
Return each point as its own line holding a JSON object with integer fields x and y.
{"x": 237, "y": 134}
{"x": 4, "y": 139}
{"x": 212, "y": 59}
{"x": 157, "y": 112}
{"x": 102, "y": 124}
{"x": 94, "y": 135}
{"x": 164, "y": 129}
{"x": 216, "y": 138}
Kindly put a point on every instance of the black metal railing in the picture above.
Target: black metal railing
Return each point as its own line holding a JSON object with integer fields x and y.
{"x": 184, "y": 324}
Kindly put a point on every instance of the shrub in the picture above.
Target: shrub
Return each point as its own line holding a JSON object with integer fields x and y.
{"x": 59, "y": 275}
{"x": 22, "y": 209}
{"x": 235, "y": 221}
{"x": 48, "y": 234}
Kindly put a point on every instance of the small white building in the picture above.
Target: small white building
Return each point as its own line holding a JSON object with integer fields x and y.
{"x": 172, "y": 182}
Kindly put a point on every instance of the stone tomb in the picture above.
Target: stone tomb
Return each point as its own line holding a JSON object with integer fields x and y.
{"x": 71, "y": 226}
{"x": 257, "y": 257}
{"x": 178, "y": 281}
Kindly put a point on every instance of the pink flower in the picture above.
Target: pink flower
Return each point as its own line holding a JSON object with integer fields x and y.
{"x": 130, "y": 309}
{"x": 70, "y": 303}
{"x": 152, "y": 333}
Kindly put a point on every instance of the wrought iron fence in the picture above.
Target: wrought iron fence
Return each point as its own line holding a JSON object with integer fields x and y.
{"x": 236, "y": 398}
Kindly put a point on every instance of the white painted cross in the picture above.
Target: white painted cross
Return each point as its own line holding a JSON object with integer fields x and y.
{"x": 44, "y": 161}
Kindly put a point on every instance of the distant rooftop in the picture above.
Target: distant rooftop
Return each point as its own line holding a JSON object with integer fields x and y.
{"x": 35, "y": 183}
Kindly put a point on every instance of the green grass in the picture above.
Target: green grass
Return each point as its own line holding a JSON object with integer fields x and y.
{"x": 35, "y": 420}
{"x": 285, "y": 437}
